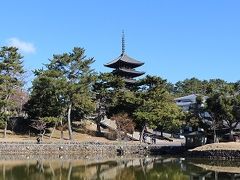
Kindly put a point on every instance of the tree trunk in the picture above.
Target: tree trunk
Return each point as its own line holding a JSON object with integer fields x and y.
{"x": 54, "y": 127}
{"x": 232, "y": 127}
{"x": 100, "y": 115}
{"x": 69, "y": 121}
{"x": 99, "y": 118}
{"x": 142, "y": 132}
{"x": 231, "y": 138}
{"x": 98, "y": 128}
{"x": 61, "y": 129}
{"x": 214, "y": 131}
{"x": 5, "y": 130}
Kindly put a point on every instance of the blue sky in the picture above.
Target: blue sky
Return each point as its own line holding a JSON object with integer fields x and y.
{"x": 177, "y": 39}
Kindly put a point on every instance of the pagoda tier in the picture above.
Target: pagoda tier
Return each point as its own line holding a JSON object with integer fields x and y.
{"x": 131, "y": 73}
{"x": 124, "y": 60}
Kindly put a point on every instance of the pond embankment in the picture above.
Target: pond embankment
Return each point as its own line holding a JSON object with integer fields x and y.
{"x": 87, "y": 148}
{"x": 229, "y": 150}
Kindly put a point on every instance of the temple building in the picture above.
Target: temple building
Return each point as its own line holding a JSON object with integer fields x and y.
{"x": 124, "y": 66}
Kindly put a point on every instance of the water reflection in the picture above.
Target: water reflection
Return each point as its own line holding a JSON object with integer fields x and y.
{"x": 120, "y": 168}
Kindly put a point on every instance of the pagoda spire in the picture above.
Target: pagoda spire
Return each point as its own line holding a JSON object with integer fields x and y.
{"x": 123, "y": 42}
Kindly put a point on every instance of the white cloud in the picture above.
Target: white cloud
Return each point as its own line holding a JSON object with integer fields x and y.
{"x": 25, "y": 47}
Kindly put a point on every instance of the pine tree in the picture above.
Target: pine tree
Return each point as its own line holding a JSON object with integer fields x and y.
{"x": 11, "y": 71}
{"x": 157, "y": 109}
{"x": 64, "y": 88}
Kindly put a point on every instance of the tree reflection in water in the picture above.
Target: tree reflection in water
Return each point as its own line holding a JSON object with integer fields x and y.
{"x": 144, "y": 168}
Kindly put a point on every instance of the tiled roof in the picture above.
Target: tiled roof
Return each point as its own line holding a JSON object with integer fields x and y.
{"x": 125, "y": 59}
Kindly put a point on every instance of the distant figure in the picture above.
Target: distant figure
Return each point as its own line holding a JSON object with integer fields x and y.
{"x": 153, "y": 140}
{"x": 120, "y": 151}
{"x": 144, "y": 137}
{"x": 38, "y": 140}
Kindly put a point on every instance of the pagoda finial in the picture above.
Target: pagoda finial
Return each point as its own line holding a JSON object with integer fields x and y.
{"x": 123, "y": 42}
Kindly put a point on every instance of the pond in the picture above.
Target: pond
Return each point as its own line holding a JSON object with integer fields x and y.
{"x": 152, "y": 168}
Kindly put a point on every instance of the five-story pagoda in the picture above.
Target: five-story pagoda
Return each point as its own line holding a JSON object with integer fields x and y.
{"x": 124, "y": 66}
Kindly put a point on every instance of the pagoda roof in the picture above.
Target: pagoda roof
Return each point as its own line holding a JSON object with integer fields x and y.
{"x": 129, "y": 72}
{"x": 124, "y": 59}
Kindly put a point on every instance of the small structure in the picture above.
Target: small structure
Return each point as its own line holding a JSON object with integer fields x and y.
{"x": 195, "y": 139}
{"x": 124, "y": 66}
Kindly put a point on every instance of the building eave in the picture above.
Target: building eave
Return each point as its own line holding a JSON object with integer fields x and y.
{"x": 124, "y": 58}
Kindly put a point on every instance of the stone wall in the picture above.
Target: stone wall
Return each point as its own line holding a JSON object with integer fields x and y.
{"x": 215, "y": 154}
{"x": 86, "y": 149}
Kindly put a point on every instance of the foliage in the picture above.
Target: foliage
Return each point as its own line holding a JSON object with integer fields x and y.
{"x": 124, "y": 101}
{"x": 68, "y": 89}
{"x": 64, "y": 88}
{"x": 124, "y": 123}
{"x": 112, "y": 95}
{"x": 218, "y": 85}
{"x": 225, "y": 109}
{"x": 40, "y": 126}
{"x": 190, "y": 86}
{"x": 46, "y": 96}
{"x": 3, "y": 119}
{"x": 102, "y": 88}
{"x": 196, "y": 86}
{"x": 157, "y": 109}
{"x": 194, "y": 117}
{"x": 50, "y": 120}
{"x": 11, "y": 71}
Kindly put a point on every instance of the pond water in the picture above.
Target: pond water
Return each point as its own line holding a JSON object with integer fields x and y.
{"x": 119, "y": 168}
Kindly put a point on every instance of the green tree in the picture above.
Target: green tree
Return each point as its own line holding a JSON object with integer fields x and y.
{"x": 196, "y": 86}
{"x": 46, "y": 98}
{"x": 224, "y": 110}
{"x": 64, "y": 87}
{"x": 46, "y": 101}
{"x": 11, "y": 71}
{"x": 218, "y": 86}
{"x": 157, "y": 109}
{"x": 196, "y": 114}
{"x": 78, "y": 76}
{"x": 113, "y": 94}
{"x": 190, "y": 86}
{"x": 236, "y": 86}
{"x": 105, "y": 89}
{"x": 124, "y": 101}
